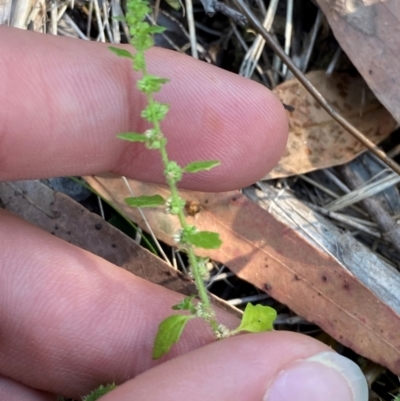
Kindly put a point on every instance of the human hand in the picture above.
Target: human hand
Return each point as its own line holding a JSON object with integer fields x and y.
{"x": 70, "y": 321}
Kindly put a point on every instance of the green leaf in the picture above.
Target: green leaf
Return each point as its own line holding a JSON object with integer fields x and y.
{"x": 151, "y": 83}
{"x": 257, "y": 318}
{"x": 186, "y": 304}
{"x": 144, "y": 28}
{"x": 169, "y": 333}
{"x": 194, "y": 167}
{"x": 121, "y": 52}
{"x": 145, "y": 201}
{"x": 99, "y": 392}
{"x": 132, "y": 137}
{"x": 202, "y": 239}
{"x": 157, "y": 29}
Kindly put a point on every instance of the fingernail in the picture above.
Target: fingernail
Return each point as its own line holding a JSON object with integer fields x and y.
{"x": 323, "y": 377}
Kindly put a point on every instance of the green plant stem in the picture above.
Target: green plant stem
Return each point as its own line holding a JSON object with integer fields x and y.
{"x": 255, "y": 318}
{"x": 201, "y": 288}
{"x": 198, "y": 279}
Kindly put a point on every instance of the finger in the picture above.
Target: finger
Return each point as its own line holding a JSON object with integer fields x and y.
{"x": 64, "y": 101}
{"x": 275, "y": 366}
{"x": 10, "y": 390}
{"x": 71, "y": 321}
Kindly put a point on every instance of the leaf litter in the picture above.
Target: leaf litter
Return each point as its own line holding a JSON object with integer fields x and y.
{"x": 367, "y": 33}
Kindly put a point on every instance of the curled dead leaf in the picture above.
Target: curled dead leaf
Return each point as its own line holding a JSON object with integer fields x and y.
{"x": 368, "y": 31}
{"x": 315, "y": 140}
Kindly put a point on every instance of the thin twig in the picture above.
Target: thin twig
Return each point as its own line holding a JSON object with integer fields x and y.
{"x": 53, "y": 17}
{"x": 334, "y": 61}
{"x": 106, "y": 22}
{"x": 288, "y": 31}
{"x": 311, "y": 41}
{"x": 390, "y": 229}
{"x": 365, "y": 191}
{"x": 100, "y": 203}
{"x": 329, "y": 192}
{"x": 89, "y": 21}
{"x": 75, "y": 27}
{"x": 116, "y": 12}
{"x": 250, "y": 298}
{"x": 192, "y": 28}
{"x": 253, "y": 55}
{"x": 312, "y": 90}
{"x": 345, "y": 219}
{"x": 99, "y": 21}
{"x": 335, "y": 180}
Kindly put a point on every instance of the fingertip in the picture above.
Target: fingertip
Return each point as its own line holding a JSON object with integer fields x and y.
{"x": 237, "y": 368}
{"x": 89, "y": 96}
{"x": 269, "y": 131}
{"x": 274, "y": 366}
{"x": 214, "y": 115}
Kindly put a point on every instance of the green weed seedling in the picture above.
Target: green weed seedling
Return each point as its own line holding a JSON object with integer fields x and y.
{"x": 255, "y": 318}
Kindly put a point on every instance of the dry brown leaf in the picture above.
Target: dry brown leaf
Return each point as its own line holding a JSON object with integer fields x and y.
{"x": 353, "y": 296}
{"x": 315, "y": 140}
{"x": 369, "y": 32}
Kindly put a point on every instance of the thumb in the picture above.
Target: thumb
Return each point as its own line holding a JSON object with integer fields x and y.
{"x": 277, "y": 366}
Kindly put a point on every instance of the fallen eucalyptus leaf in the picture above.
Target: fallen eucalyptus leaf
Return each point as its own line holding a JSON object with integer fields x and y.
{"x": 316, "y": 141}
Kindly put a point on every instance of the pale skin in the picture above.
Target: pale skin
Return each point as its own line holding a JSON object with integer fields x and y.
{"x": 70, "y": 321}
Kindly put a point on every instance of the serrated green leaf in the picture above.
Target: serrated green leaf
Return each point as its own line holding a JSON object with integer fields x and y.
{"x": 151, "y": 83}
{"x": 157, "y": 29}
{"x": 169, "y": 333}
{"x": 132, "y": 137}
{"x": 257, "y": 318}
{"x": 121, "y": 52}
{"x": 186, "y": 304}
{"x": 205, "y": 165}
{"x": 99, "y": 392}
{"x": 203, "y": 239}
{"x": 145, "y": 201}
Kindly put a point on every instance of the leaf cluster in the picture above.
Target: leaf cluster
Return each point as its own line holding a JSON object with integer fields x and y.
{"x": 255, "y": 319}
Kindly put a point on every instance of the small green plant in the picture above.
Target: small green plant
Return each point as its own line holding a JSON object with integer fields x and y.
{"x": 256, "y": 318}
